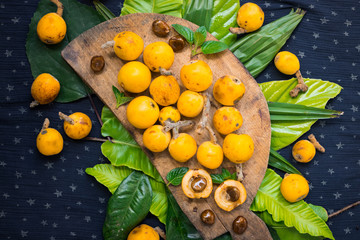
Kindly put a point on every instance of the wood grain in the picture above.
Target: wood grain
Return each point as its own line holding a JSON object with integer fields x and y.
{"x": 252, "y": 106}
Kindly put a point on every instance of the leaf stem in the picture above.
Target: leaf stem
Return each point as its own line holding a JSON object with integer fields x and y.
{"x": 95, "y": 139}
{"x": 96, "y": 112}
{"x": 344, "y": 209}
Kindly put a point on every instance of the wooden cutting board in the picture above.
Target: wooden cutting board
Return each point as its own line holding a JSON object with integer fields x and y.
{"x": 252, "y": 106}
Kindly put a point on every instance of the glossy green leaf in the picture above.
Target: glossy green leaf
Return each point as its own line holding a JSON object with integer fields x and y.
{"x": 320, "y": 211}
{"x": 210, "y": 47}
{"x": 223, "y": 17}
{"x": 279, "y": 162}
{"x": 200, "y": 36}
{"x": 257, "y": 49}
{"x": 175, "y": 175}
{"x": 199, "y": 12}
{"x": 186, "y": 32}
{"x": 168, "y": 7}
{"x": 178, "y": 225}
{"x": 282, "y": 231}
{"x": 120, "y": 97}
{"x": 295, "y": 112}
{"x": 299, "y": 215}
{"x": 124, "y": 151}
{"x": 318, "y": 94}
{"x": 159, "y": 205}
{"x": 128, "y": 206}
{"x": 47, "y": 58}
{"x": 278, "y": 108}
{"x": 217, "y": 178}
{"x": 225, "y": 175}
{"x": 111, "y": 177}
{"x": 103, "y": 10}
{"x": 225, "y": 236}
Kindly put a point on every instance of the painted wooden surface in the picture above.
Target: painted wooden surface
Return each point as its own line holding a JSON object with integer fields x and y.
{"x": 252, "y": 106}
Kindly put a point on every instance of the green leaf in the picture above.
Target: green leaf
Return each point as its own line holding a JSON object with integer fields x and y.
{"x": 257, "y": 49}
{"x": 279, "y": 162}
{"x": 225, "y": 236}
{"x": 290, "y": 112}
{"x": 217, "y": 178}
{"x": 124, "y": 151}
{"x": 47, "y": 58}
{"x": 225, "y": 175}
{"x": 168, "y": 7}
{"x": 175, "y": 175}
{"x": 320, "y": 211}
{"x": 186, "y": 32}
{"x": 120, "y": 97}
{"x": 128, "y": 206}
{"x": 159, "y": 205}
{"x": 278, "y": 108}
{"x": 111, "y": 177}
{"x": 318, "y": 94}
{"x": 223, "y": 17}
{"x": 103, "y": 10}
{"x": 199, "y": 12}
{"x": 210, "y": 47}
{"x": 282, "y": 231}
{"x": 199, "y": 36}
{"x": 178, "y": 225}
{"x": 299, "y": 215}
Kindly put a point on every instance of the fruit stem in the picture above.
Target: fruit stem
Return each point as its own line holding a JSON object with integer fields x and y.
{"x": 301, "y": 86}
{"x": 108, "y": 44}
{"x": 160, "y": 232}
{"x": 205, "y": 114}
{"x": 344, "y": 209}
{"x": 239, "y": 172}
{"x": 212, "y": 134}
{"x": 45, "y": 124}
{"x": 165, "y": 72}
{"x": 175, "y": 126}
{"x": 60, "y": 7}
{"x": 237, "y": 30}
{"x": 316, "y": 144}
{"x": 66, "y": 118}
{"x": 34, "y": 104}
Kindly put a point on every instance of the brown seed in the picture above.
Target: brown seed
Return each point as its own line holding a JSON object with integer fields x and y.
{"x": 177, "y": 43}
{"x": 233, "y": 193}
{"x": 208, "y": 217}
{"x": 198, "y": 184}
{"x": 97, "y": 63}
{"x": 239, "y": 225}
{"x": 160, "y": 28}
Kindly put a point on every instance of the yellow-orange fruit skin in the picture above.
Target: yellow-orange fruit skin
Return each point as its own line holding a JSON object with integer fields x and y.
{"x": 51, "y": 29}
{"x": 228, "y": 89}
{"x": 227, "y": 120}
{"x": 128, "y": 45}
{"x": 303, "y": 151}
{"x": 165, "y": 90}
{"x": 45, "y": 88}
{"x": 49, "y": 142}
{"x": 142, "y": 112}
{"x": 134, "y": 77}
{"x": 196, "y": 75}
{"x": 287, "y": 63}
{"x": 294, "y": 187}
{"x": 81, "y": 127}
